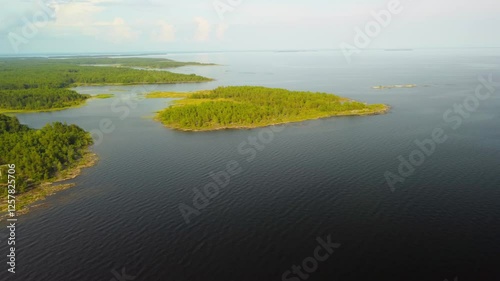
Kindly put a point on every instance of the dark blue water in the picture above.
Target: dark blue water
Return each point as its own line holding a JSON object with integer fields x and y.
{"x": 310, "y": 180}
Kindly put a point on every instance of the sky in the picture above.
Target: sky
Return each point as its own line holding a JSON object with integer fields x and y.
{"x": 121, "y": 26}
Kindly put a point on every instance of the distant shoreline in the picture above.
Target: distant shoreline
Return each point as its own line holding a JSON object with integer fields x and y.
{"x": 139, "y": 83}
{"x": 405, "y": 86}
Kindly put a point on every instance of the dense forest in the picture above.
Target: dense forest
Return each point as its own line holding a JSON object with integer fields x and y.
{"x": 37, "y": 99}
{"x": 43, "y": 83}
{"x": 39, "y": 154}
{"x": 246, "y": 106}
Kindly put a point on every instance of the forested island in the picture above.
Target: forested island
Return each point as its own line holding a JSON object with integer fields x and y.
{"x": 55, "y": 152}
{"x": 250, "y": 107}
{"x": 38, "y": 84}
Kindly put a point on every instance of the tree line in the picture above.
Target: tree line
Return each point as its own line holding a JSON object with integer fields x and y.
{"x": 36, "y": 99}
{"x": 36, "y": 79}
{"x": 39, "y": 155}
{"x": 249, "y": 106}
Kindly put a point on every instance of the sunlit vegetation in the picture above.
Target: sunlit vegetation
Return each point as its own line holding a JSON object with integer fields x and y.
{"x": 249, "y": 107}
{"x": 156, "y": 95}
{"x": 41, "y": 83}
{"x": 39, "y": 155}
{"x": 103, "y": 96}
{"x": 39, "y": 99}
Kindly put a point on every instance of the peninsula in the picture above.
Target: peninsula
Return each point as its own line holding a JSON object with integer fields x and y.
{"x": 37, "y": 158}
{"x": 44, "y": 84}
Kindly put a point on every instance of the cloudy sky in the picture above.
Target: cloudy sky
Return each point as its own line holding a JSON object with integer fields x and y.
{"x": 103, "y": 26}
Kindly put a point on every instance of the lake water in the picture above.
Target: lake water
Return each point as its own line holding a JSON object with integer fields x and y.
{"x": 313, "y": 179}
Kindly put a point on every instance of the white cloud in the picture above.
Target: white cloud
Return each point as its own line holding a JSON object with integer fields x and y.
{"x": 166, "y": 33}
{"x": 203, "y": 29}
{"x": 221, "y": 31}
{"x": 76, "y": 13}
{"x": 79, "y": 18}
{"x": 116, "y": 31}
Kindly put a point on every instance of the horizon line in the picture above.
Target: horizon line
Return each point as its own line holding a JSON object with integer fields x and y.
{"x": 145, "y": 53}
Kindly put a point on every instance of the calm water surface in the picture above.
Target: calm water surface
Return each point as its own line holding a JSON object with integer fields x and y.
{"x": 314, "y": 179}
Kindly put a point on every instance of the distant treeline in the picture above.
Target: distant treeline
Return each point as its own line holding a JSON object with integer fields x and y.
{"x": 44, "y": 77}
{"x": 39, "y": 154}
{"x": 128, "y": 62}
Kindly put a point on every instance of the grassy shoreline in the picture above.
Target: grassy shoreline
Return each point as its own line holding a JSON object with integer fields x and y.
{"x": 218, "y": 105}
{"x": 13, "y": 111}
{"x": 162, "y": 95}
{"x": 102, "y": 96}
{"x": 83, "y": 103}
{"x": 25, "y": 201}
{"x": 139, "y": 83}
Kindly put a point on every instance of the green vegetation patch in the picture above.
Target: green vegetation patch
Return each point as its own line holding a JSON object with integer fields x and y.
{"x": 103, "y": 96}
{"x": 41, "y": 83}
{"x": 39, "y": 155}
{"x": 25, "y": 200}
{"x": 157, "y": 95}
{"x": 250, "y": 107}
{"x": 39, "y": 99}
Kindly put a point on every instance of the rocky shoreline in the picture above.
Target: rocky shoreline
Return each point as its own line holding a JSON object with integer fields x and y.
{"x": 26, "y": 201}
